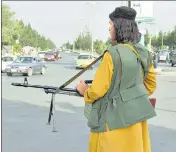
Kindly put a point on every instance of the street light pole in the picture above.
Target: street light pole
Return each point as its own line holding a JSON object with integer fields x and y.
{"x": 129, "y": 4}
{"x": 81, "y": 30}
{"x": 150, "y": 33}
{"x": 73, "y": 45}
{"x": 162, "y": 40}
{"x": 92, "y": 3}
{"x": 92, "y": 46}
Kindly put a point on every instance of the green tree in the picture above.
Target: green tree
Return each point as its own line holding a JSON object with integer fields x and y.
{"x": 146, "y": 38}
{"x": 13, "y": 30}
{"x": 16, "y": 48}
{"x": 68, "y": 45}
{"x": 87, "y": 41}
{"x": 100, "y": 46}
{"x": 78, "y": 42}
{"x": 84, "y": 41}
{"x": 7, "y": 25}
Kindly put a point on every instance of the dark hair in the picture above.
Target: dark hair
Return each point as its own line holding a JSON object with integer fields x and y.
{"x": 126, "y": 29}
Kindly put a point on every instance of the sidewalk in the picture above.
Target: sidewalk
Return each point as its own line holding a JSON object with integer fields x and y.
{"x": 166, "y": 71}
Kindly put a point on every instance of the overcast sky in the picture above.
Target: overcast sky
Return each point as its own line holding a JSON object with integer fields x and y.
{"x": 62, "y": 20}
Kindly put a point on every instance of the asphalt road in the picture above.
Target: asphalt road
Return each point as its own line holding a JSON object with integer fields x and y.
{"x": 25, "y": 113}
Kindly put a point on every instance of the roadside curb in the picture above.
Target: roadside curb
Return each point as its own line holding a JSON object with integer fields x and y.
{"x": 169, "y": 70}
{"x": 165, "y": 71}
{"x": 166, "y": 74}
{"x": 173, "y": 73}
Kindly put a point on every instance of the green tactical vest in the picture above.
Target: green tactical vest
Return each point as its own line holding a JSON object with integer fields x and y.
{"x": 126, "y": 102}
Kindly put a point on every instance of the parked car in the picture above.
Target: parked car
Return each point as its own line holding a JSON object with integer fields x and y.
{"x": 173, "y": 58}
{"x": 50, "y": 56}
{"x": 67, "y": 51}
{"x": 84, "y": 60}
{"x": 41, "y": 54}
{"x": 7, "y": 60}
{"x": 26, "y": 65}
{"x": 163, "y": 56}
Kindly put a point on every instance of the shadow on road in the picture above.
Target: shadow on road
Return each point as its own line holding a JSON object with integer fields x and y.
{"x": 20, "y": 75}
{"x": 24, "y": 129}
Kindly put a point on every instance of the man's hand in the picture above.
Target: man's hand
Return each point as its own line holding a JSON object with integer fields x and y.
{"x": 82, "y": 87}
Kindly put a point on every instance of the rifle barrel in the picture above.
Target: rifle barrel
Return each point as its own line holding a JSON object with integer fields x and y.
{"x": 34, "y": 86}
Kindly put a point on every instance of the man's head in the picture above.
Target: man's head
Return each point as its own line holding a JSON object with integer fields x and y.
{"x": 122, "y": 25}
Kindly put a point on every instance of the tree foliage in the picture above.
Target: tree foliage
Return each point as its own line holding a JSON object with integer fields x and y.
{"x": 83, "y": 41}
{"x": 13, "y": 30}
{"x": 165, "y": 39}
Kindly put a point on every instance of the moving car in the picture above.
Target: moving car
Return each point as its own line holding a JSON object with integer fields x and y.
{"x": 7, "y": 60}
{"x": 84, "y": 60}
{"x": 163, "y": 56}
{"x": 41, "y": 54}
{"x": 173, "y": 58}
{"x": 50, "y": 56}
{"x": 26, "y": 65}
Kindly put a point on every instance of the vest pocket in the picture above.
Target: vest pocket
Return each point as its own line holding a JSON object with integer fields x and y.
{"x": 132, "y": 93}
{"x": 93, "y": 120}
{"x": 95, "y": 113}
{"x": 136, "y": 104}
{"x": 91, "y": 112}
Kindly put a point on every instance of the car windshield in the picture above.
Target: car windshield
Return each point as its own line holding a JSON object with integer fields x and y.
{"x": 41, "y": 53}
{"x": 163, "y": 53}
{"x": 49, "y": 53}
{"x": 84, "y": 57}
{"x": 24, "y": 60}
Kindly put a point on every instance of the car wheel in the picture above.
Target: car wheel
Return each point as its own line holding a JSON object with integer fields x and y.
{"x": 9, "y": 74}
{"x": 30, "y": 72}
{"x": 42, "y": 71}
{"x": 172, "y": 64}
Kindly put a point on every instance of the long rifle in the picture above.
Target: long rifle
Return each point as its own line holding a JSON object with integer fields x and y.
{"x": 58, "y": 90}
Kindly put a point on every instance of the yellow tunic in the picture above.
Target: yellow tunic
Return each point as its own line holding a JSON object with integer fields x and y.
{"x": 134, "y": 138}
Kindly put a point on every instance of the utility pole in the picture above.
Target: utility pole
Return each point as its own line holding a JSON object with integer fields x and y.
{"x": 162, "y": 40}
{"x": 92, "y": 3}
{"x": 73, "y": 45}
{"x": 81, "y": 31}
{"x": 129, "y": 4}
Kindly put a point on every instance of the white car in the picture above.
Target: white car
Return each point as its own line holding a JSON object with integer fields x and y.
{"x": 68, "y": 51}
{"x": 7, "y": 60}
{"x": 41, "y": 54}
{"x": 163, "y": 56}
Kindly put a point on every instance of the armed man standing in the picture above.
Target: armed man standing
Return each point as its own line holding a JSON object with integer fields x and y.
{"x": 116, "y": 104}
